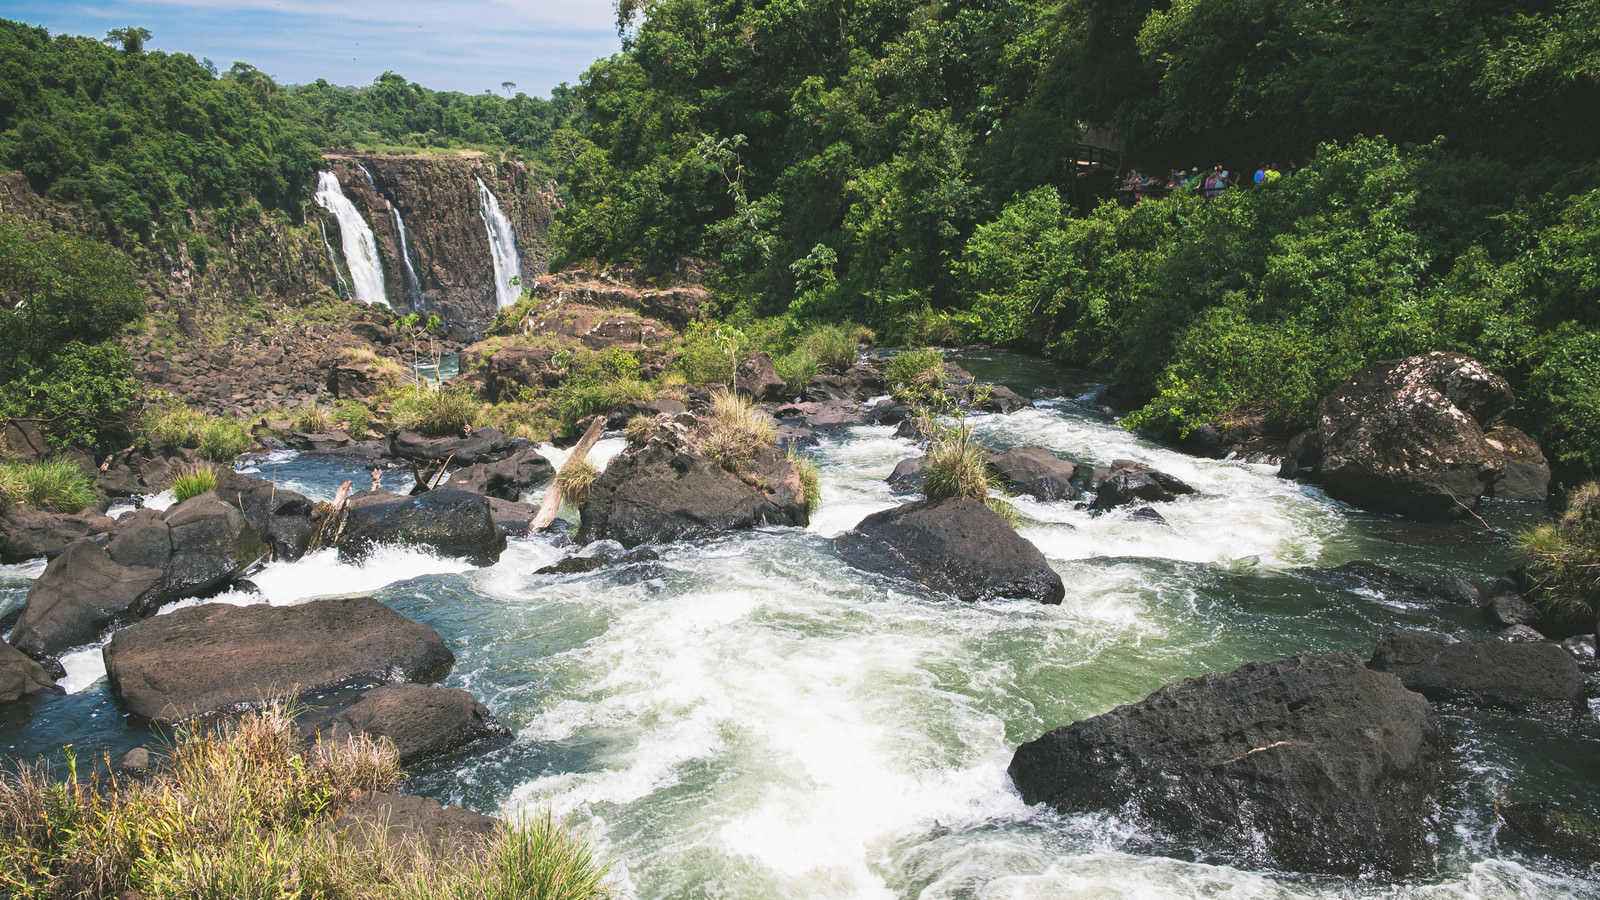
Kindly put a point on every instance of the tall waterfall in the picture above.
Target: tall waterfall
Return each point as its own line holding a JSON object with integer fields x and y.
{"x": 502, "y": 246}
{"x": 413, "y": 283}
{"x": 360, "y": 247}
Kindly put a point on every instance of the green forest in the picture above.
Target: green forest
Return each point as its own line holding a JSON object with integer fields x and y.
{"x": 911, "y": 166}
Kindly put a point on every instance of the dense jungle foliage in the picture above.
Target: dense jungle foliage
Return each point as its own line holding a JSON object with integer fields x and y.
{"x": 905, "y": 163}
{"x": 912, "y": 165}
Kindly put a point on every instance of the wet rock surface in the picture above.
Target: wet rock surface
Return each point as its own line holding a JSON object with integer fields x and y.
{"x": 1505, "y": 673}
{"x": 1310, "y": 764}
{"x": 956, "y": 547}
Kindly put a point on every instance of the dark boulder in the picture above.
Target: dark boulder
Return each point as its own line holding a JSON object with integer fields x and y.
{"x": 1310, "y": 764}
{"x": 1408, "y": 435}
{"x": 1527, "y": 474}
{"x": 661, "y": 406}
{"x": 1510, "y": 674}
{"x": 1036, "y": 472}
{"x": 1125, "y": 482}
{"x": 758, "y": 378}
{"x": 219, "y": 657}
{"x": 506, "y": 479}
{"x": 422, "y": 720}
{"x": 80, "y": 594}
{"x": 483, "y": 445}
{"x": 318, "y": 441}
{"x": 890, "y": 411}
{"x": 578, "y": 565}
{"x": 825, "y": 414}
{"x": 665, "y": 490}
{"x": 20, "y": 675}
{"x": 512, "y": 519}
{"x": 1001, "y": 399}
{"x": 27, "y": 533}
{"x": 907, "y": 474}
{"x": 958, "y": 547}
{"x": 1565, "y": 833}
{"x": 451, "y": 522}
{"x": 1508, "y": 608}
{"x": 1370, "y": 578}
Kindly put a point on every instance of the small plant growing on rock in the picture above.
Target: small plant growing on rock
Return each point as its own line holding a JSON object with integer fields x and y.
{"x": 312, "y": 419}
{"x": 1562, "y": 563}
{"x": 193, "y": 480}
{"x": 956, "y": 466}
{"x": 917, "y": 376}
{"x": 836, "y": 345}
{"x": 448, "y": 411}
{"x": 810, "y": 480}
{"x": 575, "y": 478}
{"x": 638, "y": 428}
{"x": 737, "y": 431}
{"x": 175, "y": 425}
{"x": 56, "y": 484}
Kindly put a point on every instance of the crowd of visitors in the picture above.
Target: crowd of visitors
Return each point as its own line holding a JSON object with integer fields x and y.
{"x": 1209, "y": 183}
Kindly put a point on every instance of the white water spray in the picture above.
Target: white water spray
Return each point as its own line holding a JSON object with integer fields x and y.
{"x": 360, "y": 247}
{"x": 502, "y": 247}
{"x": 333, "y": 262}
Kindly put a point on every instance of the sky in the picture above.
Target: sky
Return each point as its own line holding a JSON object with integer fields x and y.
{"x": 446, "y": 45}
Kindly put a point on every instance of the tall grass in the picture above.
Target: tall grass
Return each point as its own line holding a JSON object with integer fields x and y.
{"x": 579, "y": 398}
{"x": 451, "y": 410}
{"x": 917, "y": 376}
{"x": 193, "y": 480}
{"x": 56, "y": 484}
{"x": 246, "y": 812}
{"x": 216, "y": 439}
{"x": 737, "y": 431}
{"x": 835, "y": 345}
{"x": 1562, "y": 563}
{"x": 956, "y": 466}
{"x": 810, "y": 481}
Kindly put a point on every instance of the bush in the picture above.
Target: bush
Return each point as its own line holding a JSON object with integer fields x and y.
{"x": 737, "y": 431}
{"x": 354, "y": 416}
{"x": 579, "y": 398}
{"x": 51, "y": 484}
{"x": 710, "y": 353}
{"x": 575, "y": 477}
{"x": 451, "y": 410}
{"x": 216, "y": 439}
{"x": 917, "y": 376}
{"x": 192, "y": 481}
{"x": 246, "y": 811}
{"x": 810, "y": 481}
{"x": 835, "y": 345}
{"x": 312, "y": 419}
{"x": 1562, "y": 564}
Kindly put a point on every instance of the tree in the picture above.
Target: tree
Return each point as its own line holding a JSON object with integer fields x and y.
{"x": 131, "y": 38}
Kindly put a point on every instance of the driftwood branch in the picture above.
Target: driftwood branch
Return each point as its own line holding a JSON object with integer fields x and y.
{"x": 331, "y": 528}
{"x": 552, "y": 497}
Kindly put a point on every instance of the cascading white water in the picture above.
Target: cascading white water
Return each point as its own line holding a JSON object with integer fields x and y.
{"x": 413, "y": 283}
{"x": 360, "y": 247}
{"x": 502, "y": 247}
{"x": 371, "y": 183}
{"x": 747, "y": 717}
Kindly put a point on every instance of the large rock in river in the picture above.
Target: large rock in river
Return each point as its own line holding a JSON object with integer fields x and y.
{"x": 219, "y": 657}
{"x": 1311, "y": 764}
{"x": 20, "y": 675}
{"x": 1501, "y": 673}
{"x": 27, "y": 533}
{"x": 1408, "y": 434}
{"x": 454, "y": 523}
{"x": 422, "y": 720}
{"x": 665, "y": 490}
{"x": 959, "y": 547}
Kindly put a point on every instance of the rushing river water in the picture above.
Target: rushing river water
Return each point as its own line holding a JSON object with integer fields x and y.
{"x": 748, "y": 717}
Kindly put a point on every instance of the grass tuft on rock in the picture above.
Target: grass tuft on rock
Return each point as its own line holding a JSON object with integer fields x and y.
{"x": 217, "y": 439}
{"x": 737, "y": 431}
{"x": 451, "y": 410}
{"x": 956, "y": 466}
{"x": 810, "y": 480}
{"x": 55, "y": 484}
{"x": 193, "y": 480}
{"x": 1562, "y": 563}
{"x": 575, "y": 478}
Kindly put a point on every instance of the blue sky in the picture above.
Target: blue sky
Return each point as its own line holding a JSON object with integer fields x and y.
{"x": 470, "y": 45}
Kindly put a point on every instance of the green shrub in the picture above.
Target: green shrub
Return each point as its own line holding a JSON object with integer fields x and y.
{"x": 835, "y": 345}
{"x": 579, "y": 398}
{"x": 354, "y": 416}
{"x": 737, "y": 431}
{"x": 710, "y": 353}
{"x": 192, "y": 481}
{"x": 796, "y": 368}
{"x": 917, "y": 376}
{"x": 174, "y": 425}
{"x": 56, "y": 484}
{"x": 538, "y": 859}
{"x": 451, "y": 410}
{"x": 1562, "y": 563}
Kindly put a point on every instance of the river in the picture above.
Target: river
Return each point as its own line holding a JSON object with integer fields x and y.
{"x": 748, "y": 717}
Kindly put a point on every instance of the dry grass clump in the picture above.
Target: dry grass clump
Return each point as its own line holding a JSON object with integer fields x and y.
{"x": 1562, "y": 563}
{"x": 451, "y": 410}
{"x": 244, "y": 812}
{"x": 575, "y": 477}
{"x": 956, "y": 467}
{"x": 737, "y": 431}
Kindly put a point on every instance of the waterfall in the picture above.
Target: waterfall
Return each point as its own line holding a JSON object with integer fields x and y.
{"x": 360, "y": 247}
{"x": 370, "y": 183}
{"x": 333, "y": 262}
{"x": 502, "y": 246}
{"x": 413, "y": 283}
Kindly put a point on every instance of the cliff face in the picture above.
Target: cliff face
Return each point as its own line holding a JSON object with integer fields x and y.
{"x": 448, "y": 243}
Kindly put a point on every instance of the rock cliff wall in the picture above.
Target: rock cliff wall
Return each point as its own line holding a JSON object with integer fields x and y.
{"x": 437, "y": 197}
